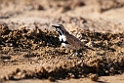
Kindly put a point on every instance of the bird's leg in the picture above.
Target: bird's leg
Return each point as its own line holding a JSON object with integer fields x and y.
{"x": 78, "y": 53}
{"x": 71, "y": 53}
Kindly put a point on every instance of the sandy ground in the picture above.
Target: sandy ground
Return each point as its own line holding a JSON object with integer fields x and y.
{"x": 103, "y": 79}
{"x": 30, "y": 50}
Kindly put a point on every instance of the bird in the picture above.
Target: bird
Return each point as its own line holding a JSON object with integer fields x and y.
{"x": 68, "y": 40}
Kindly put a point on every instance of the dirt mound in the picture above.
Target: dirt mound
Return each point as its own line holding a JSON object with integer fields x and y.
{"x": 42, "y": 48}
{"x": 25, "y": 38}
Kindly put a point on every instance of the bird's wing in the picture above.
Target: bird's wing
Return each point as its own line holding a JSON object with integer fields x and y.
{"x": 74, "y": 41}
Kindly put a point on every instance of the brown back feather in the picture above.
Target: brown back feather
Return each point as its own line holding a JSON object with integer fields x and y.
{"x": 74, "y": 41}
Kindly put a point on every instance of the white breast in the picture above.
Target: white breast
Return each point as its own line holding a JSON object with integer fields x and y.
{"x": 68, "y": 46}
{"x": 64, "y": 45}
{"x": 62, "y": 37}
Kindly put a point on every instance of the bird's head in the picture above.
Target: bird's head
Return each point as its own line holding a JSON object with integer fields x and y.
{"x": 60, "y": 28}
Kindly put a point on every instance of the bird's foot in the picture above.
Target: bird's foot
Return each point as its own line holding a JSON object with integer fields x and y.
{"x": 78, "y": 53}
